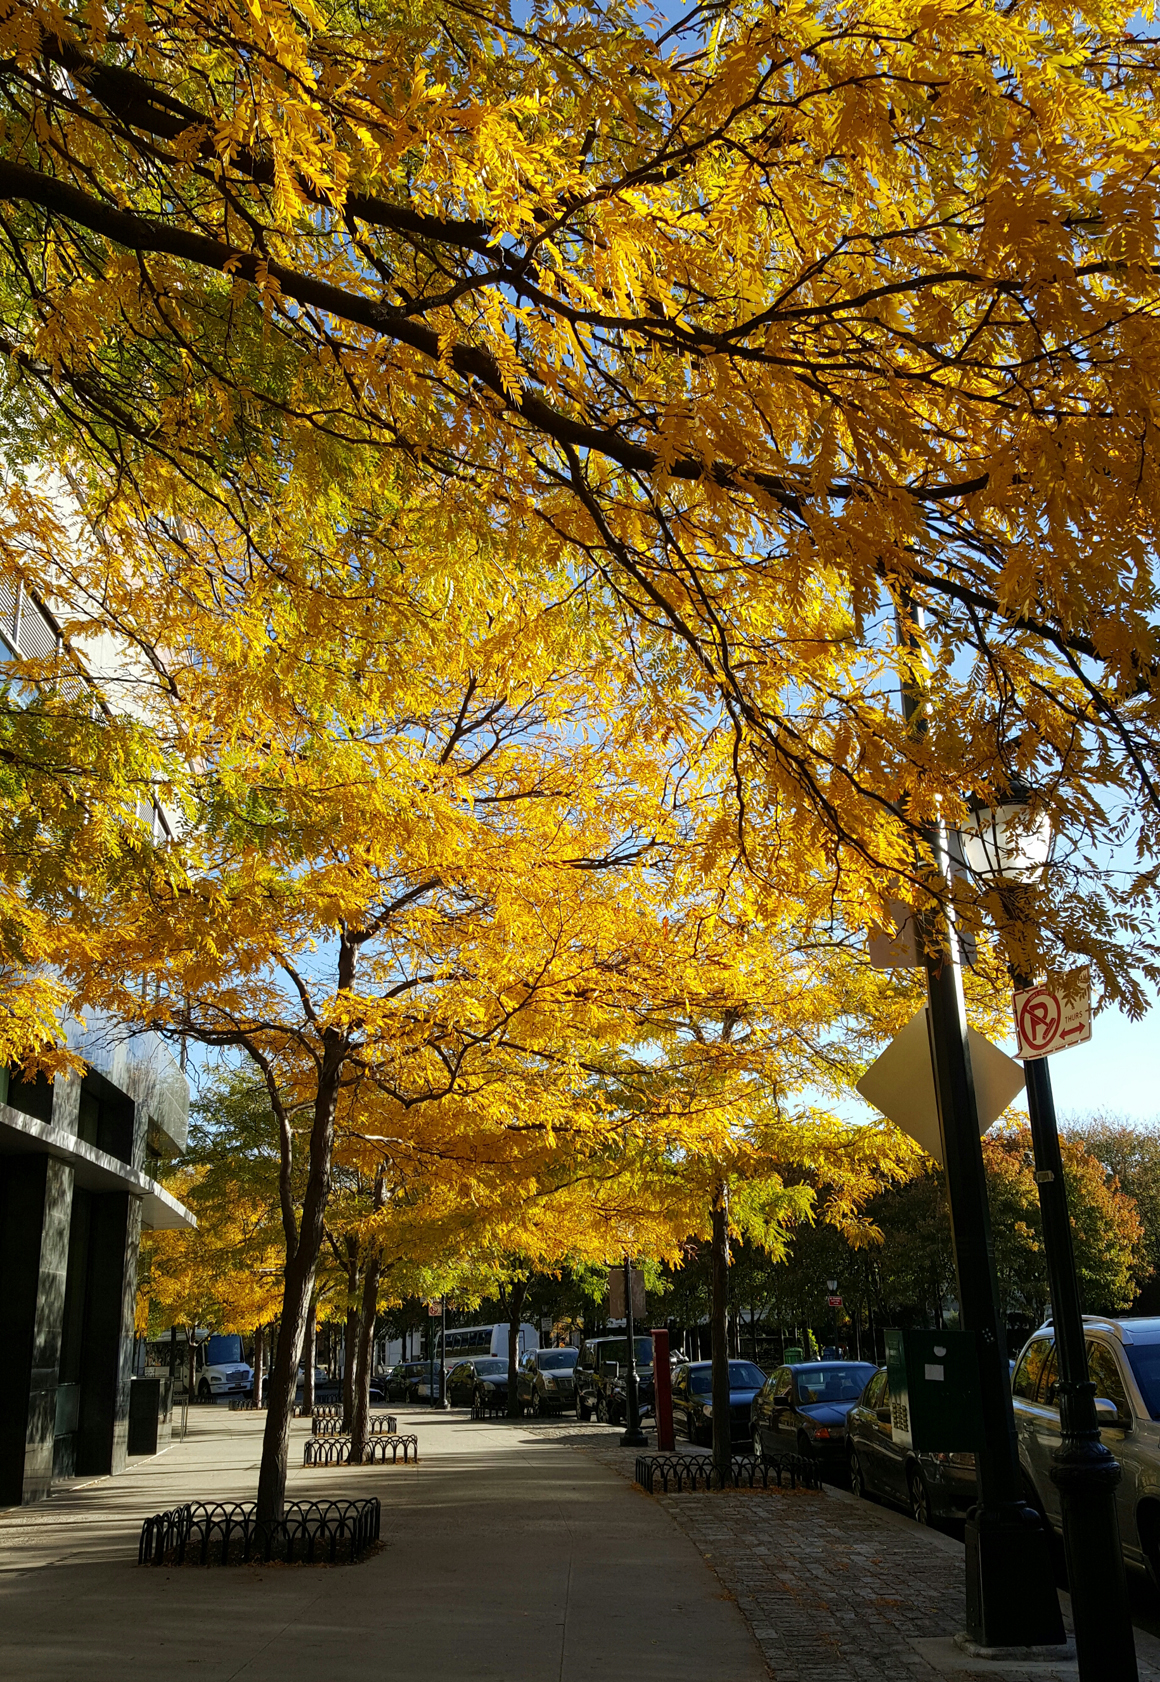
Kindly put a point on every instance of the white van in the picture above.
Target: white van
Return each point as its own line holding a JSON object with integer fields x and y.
{"x": 220, "y": 1367}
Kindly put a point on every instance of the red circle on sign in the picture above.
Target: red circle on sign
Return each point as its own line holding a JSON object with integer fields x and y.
{"x": 1039, "y": 1018}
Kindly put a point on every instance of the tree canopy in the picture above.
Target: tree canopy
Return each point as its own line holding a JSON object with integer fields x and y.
{"x": 764, "y": 319}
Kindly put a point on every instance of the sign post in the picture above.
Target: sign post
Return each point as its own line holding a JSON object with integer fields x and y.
{"x": 663, "y": 1391}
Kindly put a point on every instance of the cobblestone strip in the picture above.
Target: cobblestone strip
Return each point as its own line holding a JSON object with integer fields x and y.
{"x": 834, "y": 1590}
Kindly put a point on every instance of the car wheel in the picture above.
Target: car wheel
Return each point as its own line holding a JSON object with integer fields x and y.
{"x": 857, "y": 1476}
{"x": 758, "y": 1449}
{"x": 203, "y": 1391}
{"x": 583, "y": 1411}
{"x": 601, "y": 1411}
{"x": 920, "y": 1508}
{"x": 537, "y": 1407}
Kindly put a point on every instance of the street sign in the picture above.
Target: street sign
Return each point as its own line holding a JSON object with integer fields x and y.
{"x": 616, "y": 1293}
{"x": 901, "y": 1083}
{"x": 1055, "y": 1015}
{"x": 834, "y": 1302}
{"x": 895, "y": 947}
{"x": 434, "y": 1309}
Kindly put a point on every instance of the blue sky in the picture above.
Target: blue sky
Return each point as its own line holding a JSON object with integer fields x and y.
{"x": 1117, "y": 1071}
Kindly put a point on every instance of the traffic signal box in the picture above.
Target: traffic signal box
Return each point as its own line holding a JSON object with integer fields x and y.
{"x": 934, "y": 1391}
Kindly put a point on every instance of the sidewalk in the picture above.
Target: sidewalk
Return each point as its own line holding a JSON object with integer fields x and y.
{"x": 841, "y": 1590}
{"x": 516, "y": 1551}
{"x": 509, "y": 1557}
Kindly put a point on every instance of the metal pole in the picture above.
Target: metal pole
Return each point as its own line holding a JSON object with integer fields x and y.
{"x": 1084, "y": 1470}
{"x": 1010, "y": 1589}
{"x": 443, "y": 1399}
{"x": 633, "y": 1436}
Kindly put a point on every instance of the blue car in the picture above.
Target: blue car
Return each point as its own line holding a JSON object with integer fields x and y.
{"x": 693, "y": 1399}
{"x": 803, "y": 1409}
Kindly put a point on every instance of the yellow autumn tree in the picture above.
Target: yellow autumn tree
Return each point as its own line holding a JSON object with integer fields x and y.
{"x": 765, "y": 320}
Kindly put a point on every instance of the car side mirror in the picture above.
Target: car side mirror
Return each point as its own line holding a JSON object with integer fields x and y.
{"x": 1107, "y": 1413}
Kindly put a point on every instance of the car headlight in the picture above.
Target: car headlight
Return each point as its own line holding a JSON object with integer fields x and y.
{"x": 549, "y": 1384}
{"x": 708, "y": 1410}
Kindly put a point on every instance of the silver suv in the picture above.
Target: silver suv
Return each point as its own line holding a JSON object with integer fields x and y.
{"x": 1124, "y": 1363}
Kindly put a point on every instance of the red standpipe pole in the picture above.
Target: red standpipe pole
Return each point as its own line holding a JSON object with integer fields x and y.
{"x": 663, "y": 1391}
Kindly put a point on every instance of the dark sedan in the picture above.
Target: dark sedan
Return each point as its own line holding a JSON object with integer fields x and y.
{"x": 932, "y": 1486}
{"x": 693, "y": 1399}
{"x": 401, "y": 1384}
{"x": 480, "y": 1383}
{"x": 802, "y": 1409}
{"x": 546, "y": 1381}
{"x": 602, "y": 1378}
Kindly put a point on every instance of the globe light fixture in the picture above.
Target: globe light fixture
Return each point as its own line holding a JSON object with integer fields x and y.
{"x": 1007, "y": 843}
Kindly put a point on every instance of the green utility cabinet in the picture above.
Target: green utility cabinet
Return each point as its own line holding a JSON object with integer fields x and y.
{"x": 934, "y": 1391}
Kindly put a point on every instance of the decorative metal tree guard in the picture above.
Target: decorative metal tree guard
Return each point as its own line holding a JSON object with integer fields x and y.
{"x": 308, "y": 1533}
{"x": 335, "y": 1451}
{"x": 329, "y": 1424}
{"x": 696, "y": 1471}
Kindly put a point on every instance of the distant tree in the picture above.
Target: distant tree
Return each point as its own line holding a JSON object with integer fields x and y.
{"x": 1130, "y": 1154}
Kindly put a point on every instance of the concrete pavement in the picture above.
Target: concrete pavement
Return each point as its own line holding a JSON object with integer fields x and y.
{"x": 509, "y": 1557}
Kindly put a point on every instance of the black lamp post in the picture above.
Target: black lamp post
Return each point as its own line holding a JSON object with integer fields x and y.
{"x": 1011, "y": 1597}
{"x": 633, "y": 1436}
{"x": 1007, "y": 846}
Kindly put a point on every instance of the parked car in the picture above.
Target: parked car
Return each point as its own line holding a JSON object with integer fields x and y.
{"x": 402, "y": 1383}
{"x": 802, "y": 1409}
{"x": 930, "y": 1486}
{"x": 1124, "y": 1362}
{"x": 601, "y": 1376}
{"x": 466, "y": 1378}
{"x": 546, "y": 1381}
{"x": 693, "y": 1399}
{"x": 479, "y": 1382}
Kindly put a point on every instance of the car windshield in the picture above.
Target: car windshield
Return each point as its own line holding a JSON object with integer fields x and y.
{"x": 219, "y": 1351}
{"x": 836, "y": 1383}
{"x": 490, "y": 1369}
{"x": 1144, "y": 1360}
{"x": 617, "y": 1350}
{"x": 743, "y": 1375}
{"x": 556, "y": 1360}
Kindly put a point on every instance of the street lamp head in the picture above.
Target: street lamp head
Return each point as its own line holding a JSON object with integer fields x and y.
{"x": 833, "y": 1284}
{"x": 1007, "y": 842}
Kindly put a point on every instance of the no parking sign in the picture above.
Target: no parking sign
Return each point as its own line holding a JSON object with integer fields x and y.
{"x": 1054, "y": 1015}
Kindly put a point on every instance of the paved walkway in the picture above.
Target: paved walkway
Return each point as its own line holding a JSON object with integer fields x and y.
{"x": 514, "y": 1552}
{"x": 509, "y": 1557}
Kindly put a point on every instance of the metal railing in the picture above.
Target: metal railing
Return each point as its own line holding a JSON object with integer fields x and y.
{"x": 335, "y": 1451}
{"x": 309, "y": 1532}
{"x": 697, "y": 1471}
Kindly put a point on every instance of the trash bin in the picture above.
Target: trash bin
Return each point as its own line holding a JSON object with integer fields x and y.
{"x": 150, "y": 1414}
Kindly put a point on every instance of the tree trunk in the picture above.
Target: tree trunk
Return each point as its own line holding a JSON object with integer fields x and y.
{"x": 308, "y": 1352}
{"x": 722, "y": 1437}
{"x": 350, "y": 1334}
{"x": 515, "y": 1308}
{"x": 259, "y": 1361}
{"x": 298, "y": 1283}
{"x": 361, "y": 1387}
